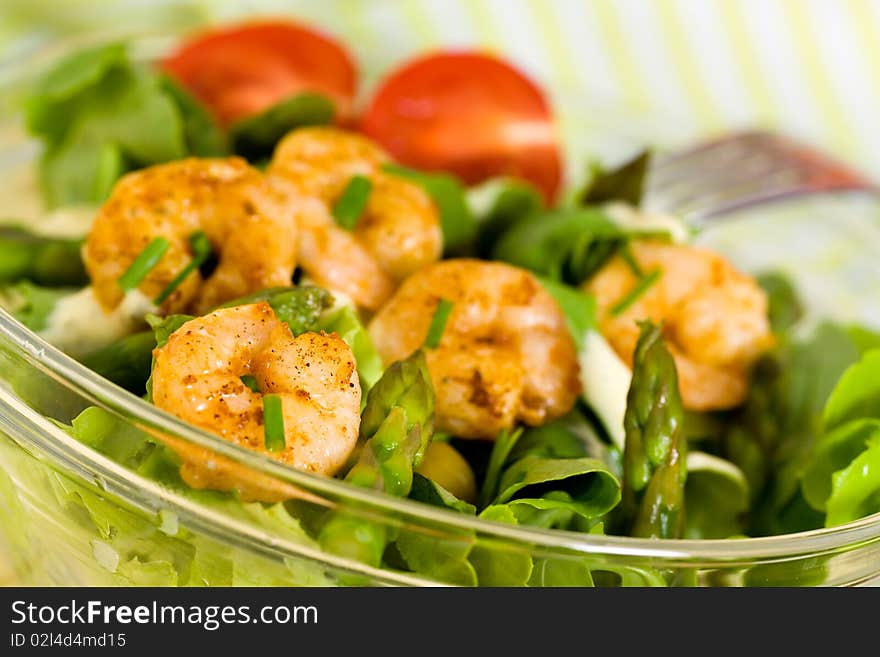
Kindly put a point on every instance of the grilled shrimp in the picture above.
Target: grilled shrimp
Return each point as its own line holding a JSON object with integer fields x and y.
{"x": 714, "y": 317}
{"x": 399, "y": 228}
{"x": 505, "y": 354}
{"x": 197, "y": 377}
{"x": 249, "y": 224}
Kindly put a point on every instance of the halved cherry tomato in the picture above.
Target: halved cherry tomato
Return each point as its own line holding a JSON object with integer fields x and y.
{"x": 468, "y": 113}
{"x": 242, "y": 70}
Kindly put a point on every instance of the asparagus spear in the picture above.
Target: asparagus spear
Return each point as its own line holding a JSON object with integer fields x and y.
{"x": 46, "y": 261}
{"x": 396, "y": 427}
{"x": 654, "y": 454}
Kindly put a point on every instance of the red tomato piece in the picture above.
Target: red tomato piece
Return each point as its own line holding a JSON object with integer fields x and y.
{"x": 468, "y": 113}
{"x": 241, "y": 70}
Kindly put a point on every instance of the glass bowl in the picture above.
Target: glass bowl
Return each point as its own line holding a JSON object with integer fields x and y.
{"x": 70, "y": 515}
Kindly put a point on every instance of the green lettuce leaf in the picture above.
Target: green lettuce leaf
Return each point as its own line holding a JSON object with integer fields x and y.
{"x": 46, "y": 261}
{"x": 579, "y": 308}
{"x": 31, "y": 304}
{"x": 772, "y": 437}
{"x": 592, "y": 489}
{"x": 201, "y": 134}
{"x": 624, "y": 183}
{"x": 255, "y": 137}
{"x": 497, "y": 204}
{"x": 857, "y": 393}
{"x": 835, "y": 451}
{"x": 497, "y": 563}
{"x": 785, "y": 307}
{"x": 855, "y": 490}
{"x": 100, "y": 115}
{"x": 716, "y": 497}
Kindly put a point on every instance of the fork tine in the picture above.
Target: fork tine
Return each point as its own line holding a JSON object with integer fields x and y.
{"x": 740, "y": 169}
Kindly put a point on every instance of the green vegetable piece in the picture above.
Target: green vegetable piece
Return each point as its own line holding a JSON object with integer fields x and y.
{"x": 46, "y": 261}
{"x": 126, "y": 362}
{"x": 864, "y": 338}
{"x": 857, "y": 393}
{"x": 255, "y": 136}
{"x": 163, "y": 327}
{"x": 499, "y": 203}
{"x": 31, "y": 304}
{"x": 771, "y": 438}
{"x": 785, "y": 308}
{"x": 565, "y": 245}
{"x": 120, "y": 119}
{"x": 404, "y": 382}
{"x": 441, "y": 555}
{"x": 438, "y": 323}
{"x": 201, "y": 248}
{"x": 273, "y": 423}
{"x": 625, "y": 183}
{"x": 396, "y": 427}
{"x": 579, "y": 308}
{"x": 504, "y": 444}
{"x": 497, "y": 564}
{"x": 855, "y": 490}
{"x": 716, "y": 497}
{"x": 386, "y": 460}
{"x": 145, "y": 261}
{"x": 655, "y": 450}
{"x": 456, "y": 220}
{"x": 352, "y": 202}
{"x": 352, "y": 536}
{"x": 591, "y": 488}
{"x": 638, "y": 290}
{"x": 202, "y": 135}
{"x": 561, "y": 572}
{"x": 430, "y": 492}
{"x": 833, "y": 452}
{"x": 49, "y": 101}
{"x": 251, "y": 382}
{"x": 301, "y": 308}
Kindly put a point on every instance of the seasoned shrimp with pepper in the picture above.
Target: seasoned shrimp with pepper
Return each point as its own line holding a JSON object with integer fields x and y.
{"x": 398, "y": 229}
{"x": 249, "y": 225}
{"x": 714, "y": 318}
{"x": 505, "y": 354}
{"x": 198, "y": 373}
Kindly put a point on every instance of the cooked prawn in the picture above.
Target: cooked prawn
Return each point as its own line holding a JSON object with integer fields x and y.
{"x": 505, "y": 355}
{"x": 714, "y": 317}
{"x": 197, "y": 376}
{"x": 249, "y": 224}
{"x": 399, "y": 228}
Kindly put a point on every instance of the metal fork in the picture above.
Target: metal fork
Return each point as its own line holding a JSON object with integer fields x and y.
{"x": 743, "y": 169}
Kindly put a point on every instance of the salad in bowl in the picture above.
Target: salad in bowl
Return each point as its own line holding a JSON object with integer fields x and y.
{"x": 415, "y": 298}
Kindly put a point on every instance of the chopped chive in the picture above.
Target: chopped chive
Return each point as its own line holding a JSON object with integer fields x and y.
{"x": 350, "y": 205}
{"x": 273, "y": 423}
{"x": 201, "y": 247}
{"x": 630, "y": 259}
{"x": 251, "y": 382}
{"x": 438, "y": 323}
{"x": 146, "y": 260}
{"x": 642, "y": 285}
